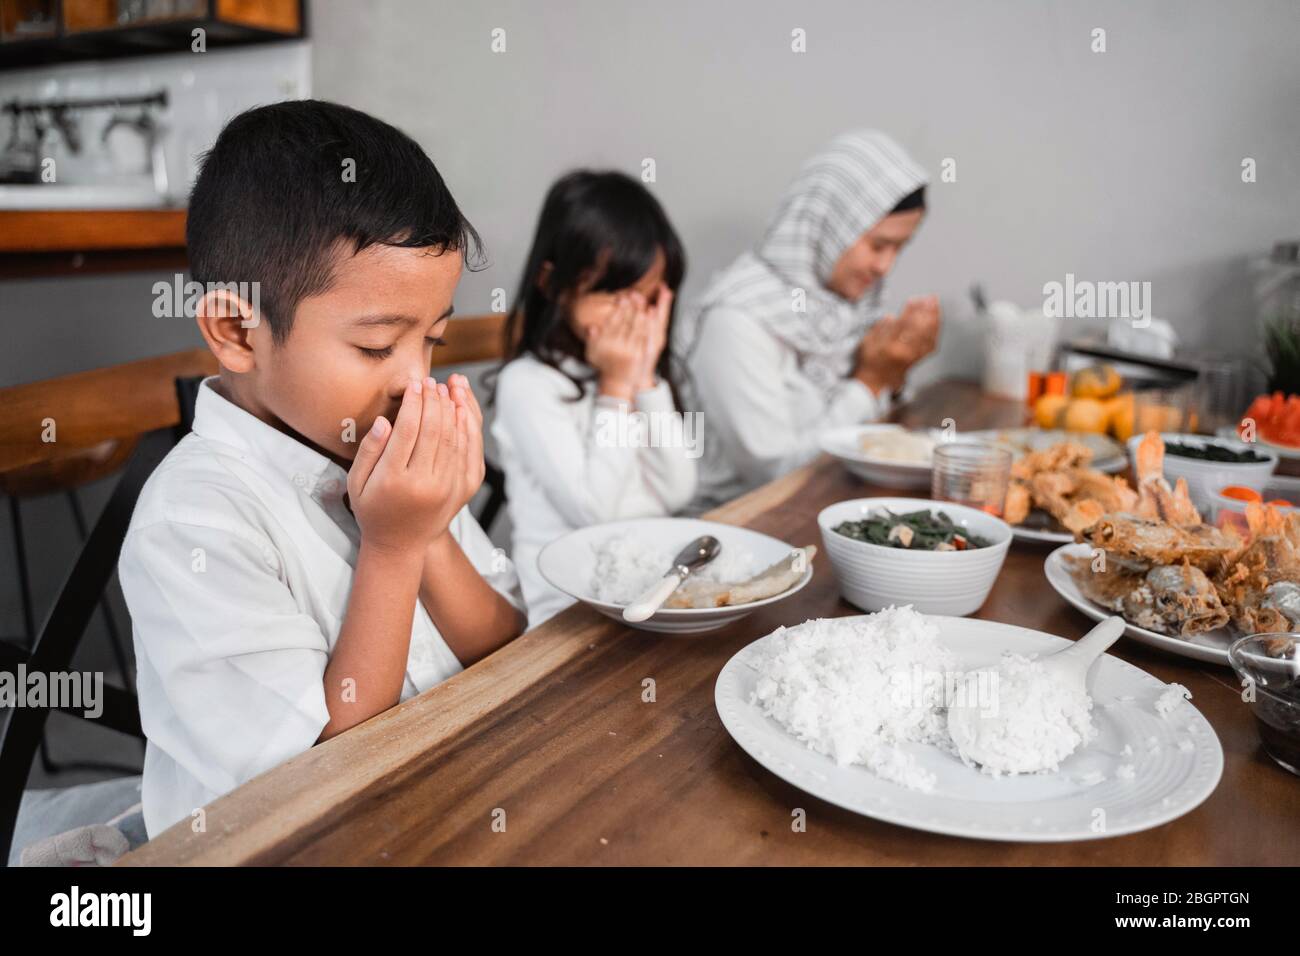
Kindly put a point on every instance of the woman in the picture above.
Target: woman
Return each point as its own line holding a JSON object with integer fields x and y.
{"x": 789, "y": 339}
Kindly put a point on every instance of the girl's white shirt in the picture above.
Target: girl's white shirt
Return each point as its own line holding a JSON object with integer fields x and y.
{"x": 570, "y": 464}
{"x": 236, "y": 569}
{"x": 762, "y": 415}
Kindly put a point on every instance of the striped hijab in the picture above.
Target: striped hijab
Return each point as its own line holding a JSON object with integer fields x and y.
{"x": 837, "y": 196}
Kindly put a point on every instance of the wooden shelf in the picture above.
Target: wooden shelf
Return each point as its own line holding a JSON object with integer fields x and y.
{"x": 90, "y": 230}
{"x": 88, "y": 30}
{"x": 42, "y": 243}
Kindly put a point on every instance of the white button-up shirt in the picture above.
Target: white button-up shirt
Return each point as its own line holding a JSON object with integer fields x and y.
{"x": 236, "y": 570}
{"x": 763, "y": 416}
{"x": 570, "y": 464}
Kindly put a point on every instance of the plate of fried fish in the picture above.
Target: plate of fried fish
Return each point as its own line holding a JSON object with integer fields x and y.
{"x": 1107, "y": 454}
{"x": 1048, "y": 484}
{"x": 1181, "y": 584}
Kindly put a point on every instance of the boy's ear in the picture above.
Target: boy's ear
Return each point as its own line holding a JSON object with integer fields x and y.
{"x": 226, "y": 322}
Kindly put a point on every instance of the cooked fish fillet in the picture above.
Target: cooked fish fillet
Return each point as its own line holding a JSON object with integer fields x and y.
{"x": 1261, "y": 583}
{"x": 1143, "y": 543}
{"x": 783, "y": 575}
{"x": 1176, "y": 599}
{"x": 1107, "y": 588}
{"x": 1173, "y": 599}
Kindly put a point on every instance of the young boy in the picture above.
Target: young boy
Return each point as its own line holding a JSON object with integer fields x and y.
{"x": 305, "y": 558}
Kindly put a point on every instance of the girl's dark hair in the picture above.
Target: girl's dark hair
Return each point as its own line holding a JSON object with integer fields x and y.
{"x": 913, "y": 200}
{"x": 598, "y": 232}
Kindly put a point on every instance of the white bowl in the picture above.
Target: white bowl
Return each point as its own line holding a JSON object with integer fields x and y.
{"x": 844, "y": 443}
{"x": 934, "y": 582}
{"x": 1205, "y": 479}
{"x": 567, "y": 563}
{"x": 1277, "y": 487}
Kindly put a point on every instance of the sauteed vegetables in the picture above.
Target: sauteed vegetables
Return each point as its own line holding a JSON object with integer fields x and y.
{"x": 916, "y": 530}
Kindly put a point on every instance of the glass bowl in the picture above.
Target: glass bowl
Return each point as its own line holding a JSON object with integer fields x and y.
{"x": 1269, "y": 665}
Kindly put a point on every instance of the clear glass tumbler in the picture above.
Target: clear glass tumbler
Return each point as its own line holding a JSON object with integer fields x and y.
{"x": 973, "y": 474}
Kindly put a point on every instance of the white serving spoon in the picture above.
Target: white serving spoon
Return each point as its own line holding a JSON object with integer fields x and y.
{"x": 1072, "y": 664}
{"x": 975, "y": 730}
{"x": 692, "y": 557}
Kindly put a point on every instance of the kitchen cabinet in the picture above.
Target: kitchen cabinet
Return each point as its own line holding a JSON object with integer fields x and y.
{"x": 34, "y": 32}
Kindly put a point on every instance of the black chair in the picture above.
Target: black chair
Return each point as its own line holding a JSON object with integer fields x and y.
{"x": 495, "y": 479}
{"x": 56, "y": 643}
{"x": 29, "y": 483}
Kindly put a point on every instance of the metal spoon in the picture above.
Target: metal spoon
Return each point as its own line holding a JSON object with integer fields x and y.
{"x": 691, "y": 558}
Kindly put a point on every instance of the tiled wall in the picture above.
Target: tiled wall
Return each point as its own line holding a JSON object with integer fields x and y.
{"x": 204, "y": 90}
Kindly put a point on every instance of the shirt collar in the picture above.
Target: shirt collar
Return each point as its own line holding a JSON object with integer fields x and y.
{"x": 575, "y": 367}
{"x": 218, "y": 419}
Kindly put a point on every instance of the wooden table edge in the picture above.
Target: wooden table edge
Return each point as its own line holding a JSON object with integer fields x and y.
{"x": 247, "y": 825}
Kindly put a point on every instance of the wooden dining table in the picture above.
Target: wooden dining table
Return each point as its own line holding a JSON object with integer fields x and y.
{"x": 551, "y": 751}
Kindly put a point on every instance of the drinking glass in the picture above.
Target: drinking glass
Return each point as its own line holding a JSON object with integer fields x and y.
{"x": 973, "y": 474}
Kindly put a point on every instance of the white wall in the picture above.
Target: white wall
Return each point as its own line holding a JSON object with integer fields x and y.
{"x": 204, "y": 90}
{"x": 1116, "y": 166}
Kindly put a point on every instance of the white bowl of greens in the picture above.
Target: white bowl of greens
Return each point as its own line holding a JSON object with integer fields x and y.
{"x": 940, "y": 557}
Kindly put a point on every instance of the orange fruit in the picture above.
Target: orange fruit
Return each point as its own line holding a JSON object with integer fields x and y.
{"x": 1121, "y": 416}
{"x": 1047, "y": 410}
{"x": 1159, "y": 418}
{"x": 1085, "y": 415}
{"x": 1101, "y": 381}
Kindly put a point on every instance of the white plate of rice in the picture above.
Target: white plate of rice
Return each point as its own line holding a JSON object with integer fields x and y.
{"x": 884, "y": 454}
{"x": 610, "y": 565}
{"x": 849, "y": 710}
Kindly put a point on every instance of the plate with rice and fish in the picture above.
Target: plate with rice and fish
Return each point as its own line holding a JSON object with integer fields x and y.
{"x": 1181, "y": 584}
{"x": 969, "y": 728}
{"x": 884, "y": 454}
{"x": 611, "y": 566}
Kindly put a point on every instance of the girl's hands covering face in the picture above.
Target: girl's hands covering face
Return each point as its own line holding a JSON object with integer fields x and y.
{"x": 656, "y": 334}
{"x": 625, "y": 349}
{"x": 616, "y": 347}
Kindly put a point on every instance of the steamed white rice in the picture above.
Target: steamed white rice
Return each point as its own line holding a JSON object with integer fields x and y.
{"x": 626, "y": 568}
{"x": 846, "y": 689}
{"x": 1028, "y": 723}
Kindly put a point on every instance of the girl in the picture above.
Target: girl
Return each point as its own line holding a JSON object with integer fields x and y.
{"x": 789, "y": 339}
{"x": 586, "y": 341}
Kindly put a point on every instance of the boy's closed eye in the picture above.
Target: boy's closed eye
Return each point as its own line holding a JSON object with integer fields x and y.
{"x": 387, "y": 350}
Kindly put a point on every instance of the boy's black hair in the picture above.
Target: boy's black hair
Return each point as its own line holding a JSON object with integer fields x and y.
{"x": 277, "y": 194}
{"x": 913, "y": 200}
{"x": 598, "y": 232}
